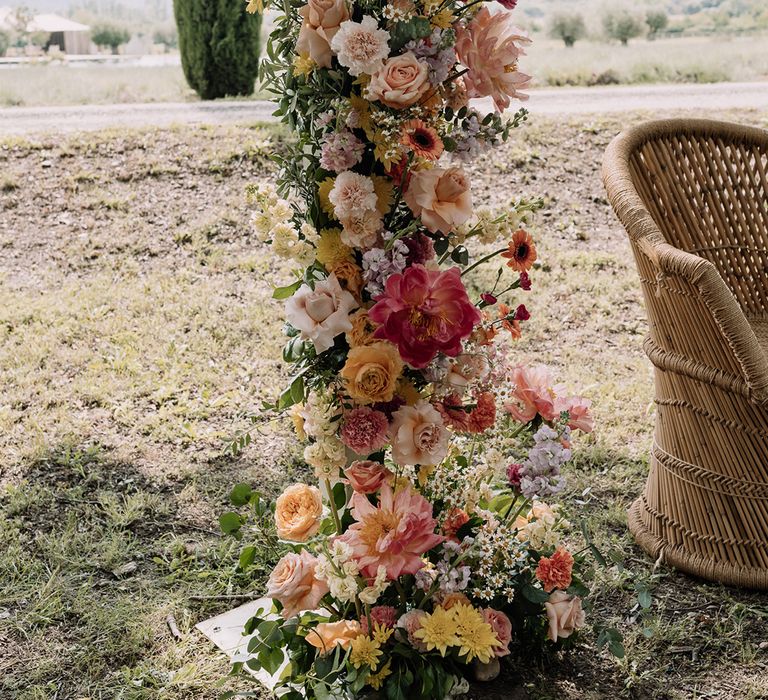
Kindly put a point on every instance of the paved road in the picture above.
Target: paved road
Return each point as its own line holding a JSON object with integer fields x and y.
{"x": 655, "y": 98}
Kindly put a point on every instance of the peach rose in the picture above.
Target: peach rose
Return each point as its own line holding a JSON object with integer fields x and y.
{"x": 371, "y": 372}
{"x": 298, "y": 512}
{"x": 321, "y": 313}
{"x": 501, "y": 627}
{"x": 564, "y": 614}
{"x": 451, "y": 599}
{"x": 402, "y": 81}
{"x": 440, "y": 198}
{"x": 321, "y": 22}
{"x": 419, "y": 435}
{"x": 367, "y": 476}
{"x": 328, "y": 635}
{"x": 294, "y": 584}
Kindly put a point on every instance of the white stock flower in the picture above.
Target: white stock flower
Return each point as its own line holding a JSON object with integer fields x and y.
{"x": 361, "y": 46}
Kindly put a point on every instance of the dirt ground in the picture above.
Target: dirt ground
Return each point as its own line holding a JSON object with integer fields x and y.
{"x": 137, "y": 334}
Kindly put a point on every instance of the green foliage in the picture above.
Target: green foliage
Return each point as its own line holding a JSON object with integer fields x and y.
{"x": 622, "y": 25}
{"x": 5, "y": 42}
{"x": 568, "y": 26}
{"x": 110, "y": 35}
{"x": 657, "y": 21}
{"x": 219, "y": 43}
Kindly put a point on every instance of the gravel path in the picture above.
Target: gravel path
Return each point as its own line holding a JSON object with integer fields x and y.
{"x": 603, "y": 100}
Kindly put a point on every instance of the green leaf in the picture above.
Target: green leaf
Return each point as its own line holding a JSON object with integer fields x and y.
{"x": 460, "y": 255}
{"x": 595, "y": 552}
{"x": 230, "y": 522}
{"x": 645, "y": 598}
{"x": 240, "y": 494}
{"x": 286, "y": 292}
{"x": 534, "y": 595}
{"x": 247, "y": 557}
{"x": 441, "y": 246}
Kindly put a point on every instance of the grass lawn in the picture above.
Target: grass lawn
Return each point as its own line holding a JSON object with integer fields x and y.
{"x": 136, "y": 333}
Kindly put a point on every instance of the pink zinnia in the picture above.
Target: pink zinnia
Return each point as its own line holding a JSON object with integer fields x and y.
{"x": 394, "y": 535}
{"x": 364, "y": 430}
{"x": 424, "y": 312}
{"x": 385, "y": 615}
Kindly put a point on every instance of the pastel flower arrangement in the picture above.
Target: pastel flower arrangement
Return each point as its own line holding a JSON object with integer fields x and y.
{"x": 425, "y": 549}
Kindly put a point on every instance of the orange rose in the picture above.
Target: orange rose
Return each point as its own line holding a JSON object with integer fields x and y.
{"x": 322, "y": 19}
{"x": 440, "y": 198}
{"x": 294, "y": 584}
{"x": 349, "y": 276}
{"x": 451, "y": 599}
{"x": 564, "y": 614}
{"x": 371, "y": 372}
{"x": 328, "y": 635}
{"x": 298, "y": 512}
{"x": 362, "y": 329}
{"x": 402, "y": 81}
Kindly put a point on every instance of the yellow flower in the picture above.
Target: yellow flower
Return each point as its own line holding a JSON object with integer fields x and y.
{"x": 371, "y": 372}
{"x": 424, "y": 473}
{"x": 363, "y": 109}
{"x": 385, "y": 151}
{"x": 362, "y": 329}
{"x": 408, "y": 392}
{"x": 323, "y": 190}
{"x": 385, "y": 193}
{"x": 303, "y": 64}
{"x": 365, "y": 652}
{"x": 443, "y": 19}
{"x": 377, "y": 679}
{"x": 298, "y": 421}
{"x": 381, "y": 634}
{"x": 255, "y": 6}
{"x": 330, "y": 249}
{"x": 438, "y": 630}
{"x": 476, "y": 637}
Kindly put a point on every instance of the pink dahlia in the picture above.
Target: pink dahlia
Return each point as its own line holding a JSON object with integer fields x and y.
{"x": 364, "y": 430}
{"x": 424, "y": 312}
{"x": 394, "y": 535}
{"x": 490, "y": 47}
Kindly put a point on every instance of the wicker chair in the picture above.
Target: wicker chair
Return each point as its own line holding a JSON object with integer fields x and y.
{"x": 693, "y": 196}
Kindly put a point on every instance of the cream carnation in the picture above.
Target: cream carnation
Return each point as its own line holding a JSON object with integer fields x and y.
{"x": 321, "y": 313}
{"x": 362, "y": 229}
{"x": 351, "y": 194}
{"x": 361, "y": 46}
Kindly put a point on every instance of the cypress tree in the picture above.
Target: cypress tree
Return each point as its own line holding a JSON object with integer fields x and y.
{"x": 219, "y": 43}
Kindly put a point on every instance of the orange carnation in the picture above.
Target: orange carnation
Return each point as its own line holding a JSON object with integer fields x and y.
{"x": 555, "y": 571}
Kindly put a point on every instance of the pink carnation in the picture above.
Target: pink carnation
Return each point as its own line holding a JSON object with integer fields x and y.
{"x": 424, "y": 312}
{"x": 483, "y": 415}
{"x": 385, "y": 615}
{"x": 490, "y": 47}
{"x": 364, "y": 430}
{"x": 469, "y": 420}
{"x": 394, "y": 535}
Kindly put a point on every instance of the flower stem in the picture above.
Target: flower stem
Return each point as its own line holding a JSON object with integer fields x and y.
{"x": 483, "y": 260}
{"x": 332, "y": 503}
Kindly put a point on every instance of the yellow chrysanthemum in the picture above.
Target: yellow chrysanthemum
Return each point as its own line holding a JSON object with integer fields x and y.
{"x": 408, "y": 392}
{"x": 381, "y": 634}
{"x": 377, "y": 679}
{"x": 303, "y": 64}
{"x": 476, "y": 637}
{"x": 330, "y": 249}
{"x": 323, "y": 190}
{"x": 424, "y": 473}
{"x": 363, "y": 109}
{"x": 438, "y": 630}
{"x": 385, "y": 193}
{"x": 386, "y": 151}
{"x": 443, "y": 19}
{"x": 364, "y": 652}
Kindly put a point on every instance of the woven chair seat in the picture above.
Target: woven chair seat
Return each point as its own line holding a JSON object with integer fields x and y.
{"x": 693, "y": 197}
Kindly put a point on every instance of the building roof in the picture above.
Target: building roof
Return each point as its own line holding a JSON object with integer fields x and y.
{"x": 55, "y": 23}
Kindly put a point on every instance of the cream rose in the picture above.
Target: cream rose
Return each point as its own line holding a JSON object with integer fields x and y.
{"x": 419, "y": 435}
{"x": 321, "y": 22}
{"x": 298, "y": 512}
{"x": 440, "y": 198}
{"x": 371, "y": 372}
{"x": 328, "y": 635}
{"x": 321, "y": 313}
{"x": 402, "y": 81}
{"x": 564, "y": 614}
{"x": 367, "y": 476}
{"x": 294, "y": 584}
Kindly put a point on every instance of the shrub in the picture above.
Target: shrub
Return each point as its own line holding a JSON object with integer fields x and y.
{"x": 657, "y": 21}
{"x": 5, "y": 42}
{"x": 621, "y": 25}
{"x": 219, "y": 43}
{"x": 567, "y": 26}
{"x": 110, "y": 35}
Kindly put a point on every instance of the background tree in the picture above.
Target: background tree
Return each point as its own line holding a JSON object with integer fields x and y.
{"x": 567, "y": 26}
{"x": 110, "y": 35}
{"x": 622, "y": 25}
{"x": 219, "y": 43}
{"x": 657, "y": 21}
